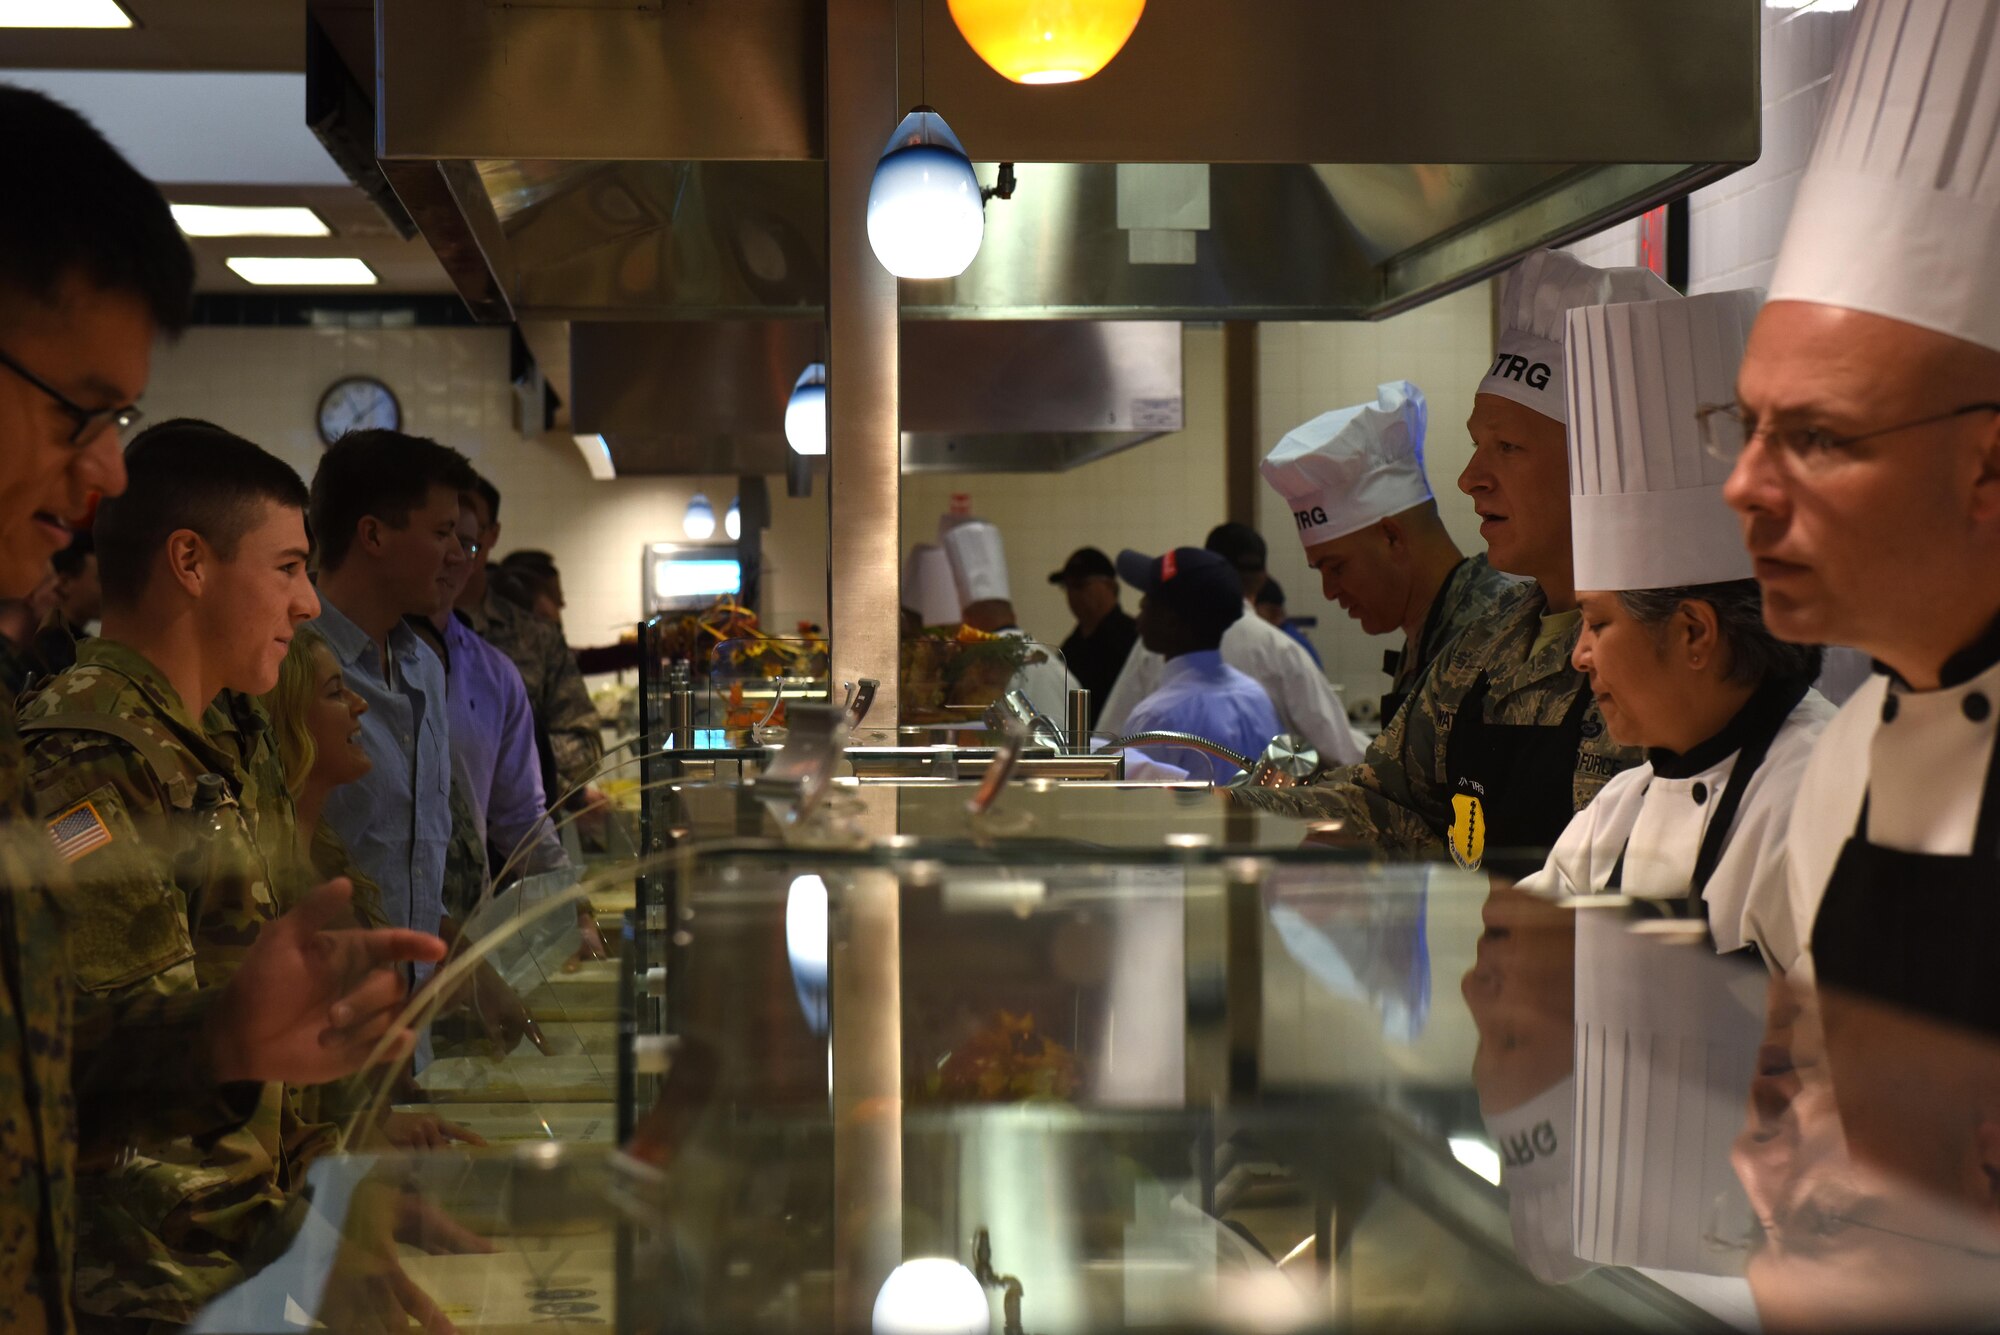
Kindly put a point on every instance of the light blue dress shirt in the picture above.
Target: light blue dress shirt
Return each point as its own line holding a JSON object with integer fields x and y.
{"x": 396, "y": 821}
{"x": 1201, "y": 694}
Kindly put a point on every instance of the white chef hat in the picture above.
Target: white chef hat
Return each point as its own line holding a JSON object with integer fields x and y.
{"x": 928, "y": 587}
{"x": 1537, "y": 1169}
{"x": 1898, "y": 213}
{"x": 1349, "y": 468}
{"x": 1666, "y": 1047}
{"x": 978, "y": 561}
{"x": 1646, "y": 508}
{"x": 1543, "y": 288}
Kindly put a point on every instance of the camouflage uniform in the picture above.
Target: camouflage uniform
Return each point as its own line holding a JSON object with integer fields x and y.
{"x": 1399, "y": 799}
{"x": 168, "y": 1220}
{"x": 1468, "y": 595}
{"x": 555, "y": 687}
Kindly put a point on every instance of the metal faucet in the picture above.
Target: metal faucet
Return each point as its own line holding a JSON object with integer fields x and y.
{"x": 1017, "y": 707}
{"x": 1010, "y": 1287}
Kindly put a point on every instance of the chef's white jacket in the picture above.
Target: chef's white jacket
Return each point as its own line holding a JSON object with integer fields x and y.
{"x": 1658, "y": 823}
{"x": 1306, "y": 704}
{"x": 1924, "y": 760}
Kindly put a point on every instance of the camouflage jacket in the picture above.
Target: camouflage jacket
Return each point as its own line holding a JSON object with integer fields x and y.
{"x": 1398, "y": 799}
{"x": 106, "y": 1050}
{"x": 161, "y": 898}
{"x": 556, "y": 693}
{"x": 1469, "y": 594}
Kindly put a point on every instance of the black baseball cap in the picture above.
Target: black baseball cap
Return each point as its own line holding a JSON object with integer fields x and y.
{"x": 1238, "y": 544}
{"x": 1194, "y": 583}
{"x": 1082, "y": 564}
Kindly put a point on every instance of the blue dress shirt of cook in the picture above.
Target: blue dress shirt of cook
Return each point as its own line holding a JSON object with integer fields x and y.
{"x": 396, "y": 821}
{"x": 1201, "y": 694}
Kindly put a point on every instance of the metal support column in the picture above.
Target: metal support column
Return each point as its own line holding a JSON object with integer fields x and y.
{"x": 864, "y": 452}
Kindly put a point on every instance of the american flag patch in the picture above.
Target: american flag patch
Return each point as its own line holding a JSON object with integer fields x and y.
{"x": 78, "y": 831}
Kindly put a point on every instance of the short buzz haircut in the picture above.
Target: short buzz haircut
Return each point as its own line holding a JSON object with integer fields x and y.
{"x": 531, "y": 561}
{"x": 385, "y": 474}
{"x": 184, "y": 474}
{"x": 79, "y": 211}
{"x": 488, "y": 493}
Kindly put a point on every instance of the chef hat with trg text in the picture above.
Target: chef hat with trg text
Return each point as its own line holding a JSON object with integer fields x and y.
{"x": 1541, "y": 290}
{"x": 928, "y": 586}
{"x": 1898, "y": 213}
{"x": 1646, "y": 508}
{"x": 1354, "y": 466}
{"x": 978, "y": 561}
{"x": 1537, "y": 1168}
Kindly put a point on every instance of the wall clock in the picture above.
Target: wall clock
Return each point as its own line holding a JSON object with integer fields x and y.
{"x": 356, "y": 403}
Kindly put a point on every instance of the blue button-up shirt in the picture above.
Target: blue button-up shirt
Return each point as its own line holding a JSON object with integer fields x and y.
{"x": 1201, "y": 694}
{"x": 396, "y": 821}
{"x": 493, "y": 749}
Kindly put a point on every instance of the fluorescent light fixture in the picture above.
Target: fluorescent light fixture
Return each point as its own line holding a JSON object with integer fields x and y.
{"x": 596, "y": 454}
{"x": 63, "y": 14}
{"x": 676, "y": 582}
{"x": 1477, "y": 1155}
{"x": 247, "y": 220}
{"x": 301, "y": 271}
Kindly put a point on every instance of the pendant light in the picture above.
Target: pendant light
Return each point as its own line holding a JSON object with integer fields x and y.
{"x": 1046, "y": 41}
{"x": 805, "y": 411}
{"x": 932, "y": 1295}
{"x": 925, "y": 214}
{"x": 699, "y": 521}
{"x": 732, "y": 522}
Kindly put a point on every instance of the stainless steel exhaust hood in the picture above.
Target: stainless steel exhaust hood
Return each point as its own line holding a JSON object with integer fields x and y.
{"x": 643, "y": 160}
{"x": 698, "y": 397}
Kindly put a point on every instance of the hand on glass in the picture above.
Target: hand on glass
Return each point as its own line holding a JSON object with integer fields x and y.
{"x": 592, "y": 944}
{"x": 425, "y": 1131}
{"x": 311, "y": 1001}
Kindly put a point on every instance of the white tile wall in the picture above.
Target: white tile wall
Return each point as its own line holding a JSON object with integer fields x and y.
{"x": 265, "y": 384}
{"x": 1735, "y": 225}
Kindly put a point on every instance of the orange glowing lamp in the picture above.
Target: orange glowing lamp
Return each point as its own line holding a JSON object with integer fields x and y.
{"x": 1047, "y": 41}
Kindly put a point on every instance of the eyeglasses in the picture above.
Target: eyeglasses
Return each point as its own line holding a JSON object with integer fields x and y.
{"x": 89, "y": 421}
{"x": 1727, "y": 428}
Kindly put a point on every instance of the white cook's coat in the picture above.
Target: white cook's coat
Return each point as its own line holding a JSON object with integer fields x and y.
{"x": 1926, "y": 770}
{"x": 1306, "y": 704}
{"x": 1657, "y": 823}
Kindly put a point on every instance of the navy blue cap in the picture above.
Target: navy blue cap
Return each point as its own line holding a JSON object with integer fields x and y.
{"x": 1193, "y": 582}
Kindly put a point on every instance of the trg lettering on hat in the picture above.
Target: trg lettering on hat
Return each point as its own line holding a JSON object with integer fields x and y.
{"x": 1310, "y": 518}
{"x": 1512, "y": 366}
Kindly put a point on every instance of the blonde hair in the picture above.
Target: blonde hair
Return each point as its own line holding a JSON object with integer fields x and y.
{"x": 287, "y": 703}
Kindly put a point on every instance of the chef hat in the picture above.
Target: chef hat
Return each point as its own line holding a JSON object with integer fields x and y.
{"x": 1536, "y": 1170}
{"x": 1666, "y": 1046}
{"x": 1349, "y": 468}
{"x": 1646, "y": 508}
{"x": 1898, "y": 213}
{"x": 978, "y": 561}
{"x": 1542, "y": 289}
{"x": 928, "y": 586}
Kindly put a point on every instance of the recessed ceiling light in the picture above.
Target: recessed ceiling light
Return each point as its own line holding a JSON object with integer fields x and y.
{"x": 63, "y": 14}
{"x": 301, "y": 271}
{"x": 247, "y": 220}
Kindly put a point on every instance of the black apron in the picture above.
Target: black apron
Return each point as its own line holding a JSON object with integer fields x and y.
{"x": 1393, "y": 659}
{"x": 1917, "y": 929}
{"x": 1775, "y": 709}
{"x": 1523, "y": 775}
